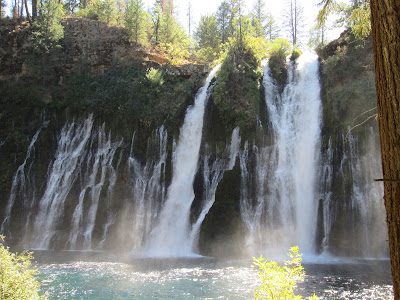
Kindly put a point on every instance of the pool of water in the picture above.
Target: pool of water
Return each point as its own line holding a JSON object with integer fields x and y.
{"x": 95, "y": 275}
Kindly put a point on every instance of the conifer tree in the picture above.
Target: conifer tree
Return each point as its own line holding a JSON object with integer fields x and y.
{"x": 259, "y": 18}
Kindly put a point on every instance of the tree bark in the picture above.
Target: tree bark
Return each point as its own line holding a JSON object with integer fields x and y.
{"x": 385, "y": 19}
{"x": 34, "y": 9}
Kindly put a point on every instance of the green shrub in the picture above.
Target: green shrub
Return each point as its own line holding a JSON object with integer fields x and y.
{"x": 17, "y": 278}
{"x": 237, "y": 91}
{"x": 279, "y": 282}
{"x": 278, "y": 51}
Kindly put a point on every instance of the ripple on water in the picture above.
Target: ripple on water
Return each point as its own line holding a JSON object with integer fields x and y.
{"x": 115, "y": 280}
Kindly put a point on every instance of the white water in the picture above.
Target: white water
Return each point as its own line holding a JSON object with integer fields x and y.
{"x": 20, "y": 183}
{"x": 148, "y": 189}
{"x": 171, "y": 235}
{"x": 70, "y": 154}
{"x": 281, "y": 210}
{"x": 367, "y": 197}
{"x": 212, "y": 175}
{"x": 98, "y": 169}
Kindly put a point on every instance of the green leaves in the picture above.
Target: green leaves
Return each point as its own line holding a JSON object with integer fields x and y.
{"x": 17, "y": 278}
{"x": 49, "y": 28}
{"x": 279, "y": 282}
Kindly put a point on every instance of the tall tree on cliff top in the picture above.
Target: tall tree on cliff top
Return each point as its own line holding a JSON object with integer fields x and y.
{"x": 207, "y": 32}
{"x": 386, "y": 39}
{"x": 259, "y": 18}
{"x": 223, "y": 17}
{"x": 294, "y": 20}
{"x": 135, "y": 18}
{"x": 271, "y": 28}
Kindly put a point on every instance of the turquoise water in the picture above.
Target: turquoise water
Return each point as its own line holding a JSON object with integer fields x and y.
{"x": 95, "y": 276}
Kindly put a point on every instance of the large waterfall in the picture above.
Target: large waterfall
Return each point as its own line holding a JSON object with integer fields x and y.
{"x": 280, "y": 211}
{"x": 171, "y": 236}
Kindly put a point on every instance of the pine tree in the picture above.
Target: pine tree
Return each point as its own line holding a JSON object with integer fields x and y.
{"x": 259, "y": 18}
{"x": 294, "y": 20}
{"x": 207, "y": 32}
{"x": 223, "y": 17}
{"x": 135, "y": 21}
{"x": 271, "y": 29}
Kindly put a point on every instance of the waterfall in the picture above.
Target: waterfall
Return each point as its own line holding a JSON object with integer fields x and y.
{"x": 326, "y": 194}
{"x": 279, "y": 208}
{"x": 148, "y": 188}
{"x": 21, "y": 184}
{"x": 171, "y": 235}
{"x": 68, "y": 160}
{"x": 212, "y": 175}
{"x": 98, "y": 168}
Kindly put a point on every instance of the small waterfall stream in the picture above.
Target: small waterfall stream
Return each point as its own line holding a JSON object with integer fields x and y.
{"x": 69, "y": 158}
{"x": 21, "y": 183}
{"x": 99, "y": 161}
{"x": 148, "y": 189}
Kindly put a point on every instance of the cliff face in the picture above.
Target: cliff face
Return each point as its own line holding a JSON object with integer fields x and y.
{"x": 133, "y": 103}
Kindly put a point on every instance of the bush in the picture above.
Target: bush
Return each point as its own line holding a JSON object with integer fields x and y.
{"x": 279, "y": 282}
{"x": 17, "y": 279}
{"x": 278, "y": 51}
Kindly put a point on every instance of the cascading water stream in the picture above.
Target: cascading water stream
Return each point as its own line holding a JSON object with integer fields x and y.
{"x": 99, "y": 161}
{"x": 281, "y": 210}
{"x": 69, "y": 157}
{"x": 148, "y": 189}
{"x": 171, "y": 235}
{"x": 20, "y": 184}
{"x": 211, "y": 178}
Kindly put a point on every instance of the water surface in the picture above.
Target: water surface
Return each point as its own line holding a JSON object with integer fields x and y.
{"x": 96, "y": 275}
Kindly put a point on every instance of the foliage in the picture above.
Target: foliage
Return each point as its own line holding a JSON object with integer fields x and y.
{"x": 237, "y": 91}
{"x": 345, "y": 95}
{"x": 296, "y": 52}
{"x": 135, "y": 21}
{"x": 147, "y": 97}
{"x": 278, "y": 50}
{"x": 102, "y": 10}
{"x": 259, "y": 18}
{"x": 355, "y": 15}
{"x": 271, "y": 28}
{"x": 360, "y": 20}
{"x": 279, "y": 282}
{"x": 49, "y": 29}
{"x": 206, "y": 34}
{"x": 17, "y": 278}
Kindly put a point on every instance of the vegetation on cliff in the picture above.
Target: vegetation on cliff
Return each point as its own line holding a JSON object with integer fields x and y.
{"x": 237, "y": 91}
{"x": 348, "y": 89}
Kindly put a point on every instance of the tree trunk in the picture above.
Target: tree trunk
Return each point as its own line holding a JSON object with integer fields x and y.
{"x": 386, "y": 37}
{"x": 34, "y": 9}
{"x": 27, "y": 11}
